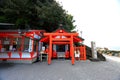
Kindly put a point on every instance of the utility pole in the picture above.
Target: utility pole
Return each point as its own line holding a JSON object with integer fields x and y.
{"x": 81, "y": 33}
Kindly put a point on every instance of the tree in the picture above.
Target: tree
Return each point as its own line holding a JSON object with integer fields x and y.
{"x": 69, "y": 22}
{"x": 38, "y": 14}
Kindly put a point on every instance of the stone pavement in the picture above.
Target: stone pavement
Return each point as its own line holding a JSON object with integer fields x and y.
{"x": 61, "y": 70}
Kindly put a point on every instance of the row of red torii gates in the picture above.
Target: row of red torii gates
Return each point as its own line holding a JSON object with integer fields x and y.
{"x": 62, "y": 37}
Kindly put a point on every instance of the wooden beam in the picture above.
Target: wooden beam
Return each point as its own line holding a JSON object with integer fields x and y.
{"x": 63, "y": 39}
{"x": 6, "y": 35}
{"x": 61, "y": 34}
{"x": 61, "y": 42}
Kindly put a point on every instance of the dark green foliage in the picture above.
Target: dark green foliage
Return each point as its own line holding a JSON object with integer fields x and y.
{"x": 38, "y": 14}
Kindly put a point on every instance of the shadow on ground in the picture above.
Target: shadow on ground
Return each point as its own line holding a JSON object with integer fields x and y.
{"x": 6, "y": 65}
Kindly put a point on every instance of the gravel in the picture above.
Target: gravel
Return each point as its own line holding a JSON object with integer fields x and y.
{"x": 61, "y": 70}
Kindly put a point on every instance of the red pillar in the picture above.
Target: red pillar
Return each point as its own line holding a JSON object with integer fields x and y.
{"x": 32, "y": 53}
{"x": 50, "y": 50}
{"x": 11, "y": 44}
{"x": 20, "y": 54}
{"x": 22, "y": 43}
{"x": 80, "y": 52}
{"x": 0, "y": 45}
{"x": 84, "y": 52}
{"x": 37, "y": 48}
{"x": 72, "y": 51}
{"x": 9, "y": 54}
{"x": 33, "y": 43}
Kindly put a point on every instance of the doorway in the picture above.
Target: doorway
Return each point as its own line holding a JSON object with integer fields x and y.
{"x": 60, "y": 51}
{"x": 60, "y": 48}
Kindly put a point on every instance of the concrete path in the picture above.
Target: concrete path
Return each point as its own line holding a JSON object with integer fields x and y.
{"x": 113, "y": 58}
{"x": 61, "y": 70}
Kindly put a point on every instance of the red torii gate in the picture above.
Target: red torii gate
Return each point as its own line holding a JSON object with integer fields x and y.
{"x": 60, "y": 36}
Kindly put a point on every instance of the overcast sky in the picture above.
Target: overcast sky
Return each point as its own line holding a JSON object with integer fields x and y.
{"x": 99, "y": 20}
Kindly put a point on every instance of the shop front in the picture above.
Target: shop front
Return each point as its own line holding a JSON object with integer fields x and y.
{"x": 16, "y": 45}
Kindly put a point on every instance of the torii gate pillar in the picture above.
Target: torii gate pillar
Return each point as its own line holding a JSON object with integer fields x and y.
{"x": 50, "y": 50}
{"x": 72, "y": 51}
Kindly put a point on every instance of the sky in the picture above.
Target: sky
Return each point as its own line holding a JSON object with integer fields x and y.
{"x": 99, "y": 21}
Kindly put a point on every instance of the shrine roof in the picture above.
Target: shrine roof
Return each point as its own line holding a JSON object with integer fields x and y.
{"x": 61, "y": 32}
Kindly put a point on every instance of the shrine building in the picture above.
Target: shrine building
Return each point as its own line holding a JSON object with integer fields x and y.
{"x": 30, "y": 45}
